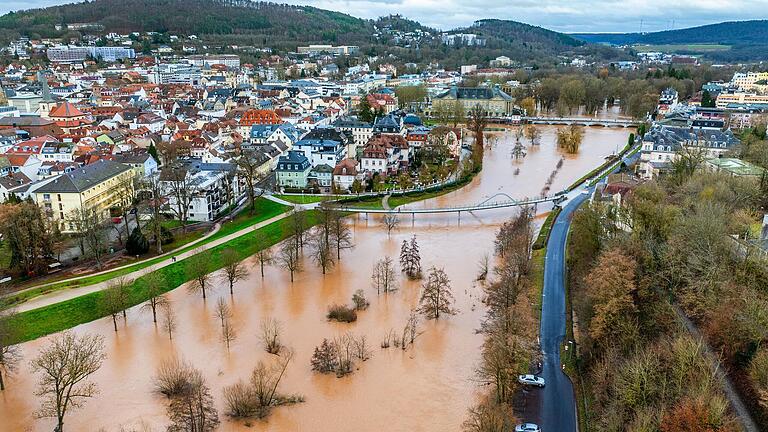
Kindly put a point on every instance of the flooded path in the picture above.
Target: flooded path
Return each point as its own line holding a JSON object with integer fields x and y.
{"x": 426, "y": 388}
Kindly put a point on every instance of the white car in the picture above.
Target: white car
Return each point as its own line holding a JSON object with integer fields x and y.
{"x": 527, "y": 427}
{"x": 532, "y": 380}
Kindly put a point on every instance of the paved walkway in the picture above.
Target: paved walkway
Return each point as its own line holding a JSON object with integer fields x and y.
{"x": 67, "y": 294}
{"x": 215, "y": 229}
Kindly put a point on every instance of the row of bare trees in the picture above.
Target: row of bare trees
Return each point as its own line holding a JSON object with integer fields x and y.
{"x": 508, "y": 325}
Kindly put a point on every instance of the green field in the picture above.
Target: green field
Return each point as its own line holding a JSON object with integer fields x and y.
{"x": 67, "y": 314}
{"x": 682, "y": 48}
{"x": 265, "y": 209}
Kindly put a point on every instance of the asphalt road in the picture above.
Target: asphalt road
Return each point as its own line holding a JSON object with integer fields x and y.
{"x": 557, "y": 403}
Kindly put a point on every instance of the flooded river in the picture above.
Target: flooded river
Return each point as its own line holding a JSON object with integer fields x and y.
{"x": 426, "y": 388}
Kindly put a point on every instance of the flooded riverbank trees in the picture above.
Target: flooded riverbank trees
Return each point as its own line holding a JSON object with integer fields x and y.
{"x": 256, "y": 397}
{"x": 64, "y": 367}
{"x": 436, "y": 296}
{"x": 509, "y": 325}
{"x": 10, "y": 354}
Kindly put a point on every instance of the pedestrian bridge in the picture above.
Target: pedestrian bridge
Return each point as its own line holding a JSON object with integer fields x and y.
{"x": 582, "y": 121}
{"x": 489, "y": 204}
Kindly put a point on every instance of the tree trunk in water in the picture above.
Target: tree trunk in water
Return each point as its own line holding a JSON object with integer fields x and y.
{"x": 154, "y": 314}
{"x": 2, "y": 383}
{"x": 114, "y": 321}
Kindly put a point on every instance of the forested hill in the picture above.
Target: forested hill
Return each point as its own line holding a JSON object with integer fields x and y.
{"x": 739, "y": 40}
{"x": 517, "y": 32}
{"x": 284, "y": 27}
{"x": 727, "y": 33}
{"x": 263, "y": 23}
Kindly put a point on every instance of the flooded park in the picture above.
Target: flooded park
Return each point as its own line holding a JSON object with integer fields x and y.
{"x": 427, "y": 387}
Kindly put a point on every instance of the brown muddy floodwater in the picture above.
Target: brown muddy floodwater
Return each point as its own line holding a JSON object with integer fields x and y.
{"x": 426, "y": 388}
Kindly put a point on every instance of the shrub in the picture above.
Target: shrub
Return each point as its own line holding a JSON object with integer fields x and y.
{"x": 342, "y": 313}
{"x": 359, "y": 300}
{"x": 174, "y": 377}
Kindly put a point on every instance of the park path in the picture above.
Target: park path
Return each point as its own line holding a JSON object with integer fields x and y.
{"x": 67, "y": 294}
{"x": 215, "y": 229}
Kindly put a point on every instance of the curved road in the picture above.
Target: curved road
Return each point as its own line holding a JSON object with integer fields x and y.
{"x": 557, "y": 403}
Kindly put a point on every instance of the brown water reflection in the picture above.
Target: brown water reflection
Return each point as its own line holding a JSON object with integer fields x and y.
{"x": 426, "y": 388}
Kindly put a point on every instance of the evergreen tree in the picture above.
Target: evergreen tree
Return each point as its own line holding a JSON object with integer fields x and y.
{"x": 137, "y": 243}
{"x": 410, "y": 259}
{"x": 152, "y": 150}
{"x": 365, "y": 113}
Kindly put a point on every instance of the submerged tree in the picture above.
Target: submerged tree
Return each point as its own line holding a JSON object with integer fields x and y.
{"x": 193, "y": 408}
{"x": 198, "y": 269}
{"x": 383, "y": 276}
{"x": 10, "y": 355}
{"x": 289, "y": 256}
{"x": 569, "y": 138}
{"x": 436, "y": 297}
{"x": 234, "y": 268}
{"x": 391, "y": 222}
{"x": 410, "y": 258}
{"x": 321, "y": 249}
{"x": 64, "y": 367}
{"x": 155, "y": 283}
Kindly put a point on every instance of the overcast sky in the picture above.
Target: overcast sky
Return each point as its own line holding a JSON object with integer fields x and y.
{"x": 561, "y": 15}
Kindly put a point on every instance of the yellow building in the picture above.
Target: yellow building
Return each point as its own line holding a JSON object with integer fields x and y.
{"x": 99, "y": 186}
{"x": 751, "y": 81}
{"x": 494, "y": 102}
{"x": 723, "y": 99}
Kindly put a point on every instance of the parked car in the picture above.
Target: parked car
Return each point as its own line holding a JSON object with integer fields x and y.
{"x": 531, "y": 380}
{"x": 527, "y": 427}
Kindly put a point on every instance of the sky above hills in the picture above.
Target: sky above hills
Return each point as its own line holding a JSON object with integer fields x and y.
{"x": 568, "y": 16}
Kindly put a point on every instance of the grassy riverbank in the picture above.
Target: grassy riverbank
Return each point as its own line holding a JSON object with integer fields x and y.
{"x": 67, "y": 314}
{"x": 265, "y": 209}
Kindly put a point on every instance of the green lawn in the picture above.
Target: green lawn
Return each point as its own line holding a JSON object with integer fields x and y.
{"x": 304, "y": 199}
{"x": 67, "y": 314}
{"x": 265, "y": 209}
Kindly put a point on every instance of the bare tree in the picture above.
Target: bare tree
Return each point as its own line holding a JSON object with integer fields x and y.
{"x": 270, "y": 335}
{"x": 169, "y": 319}
{"x": 436, "y": 296}
{"x": 265, "y": 380}
{"x": 289, "y": 257}
{"x": 182, "y": 189}
{"x": 155, "y": 201}
{"x": 198, "y": 267}
{"x": 65, "y": 366}
{"x": 90, "y": 227}
{"x": 532, "y": 133}
{"x": 359, "y": 300}
{"x": 193, "y": 409}
{"x": 10, "y": 355}
{"x": 173, "y": 376}
{"x": 383, "y": 276}
{"x": 248, "y": 168}
{"x": 299, "y": 227}
{"x": 264, "y": 255}
{"x": 112, "y": 303}
{"x": 322, "y": 253}
{"x": 156, "y": 284}
{"x": 228, "y": 333}
{"x": 222, "y": 311}
{"x": 391, "y": 221}
{"x": 340, "y": 233}
{"x": 234, "y": 268}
